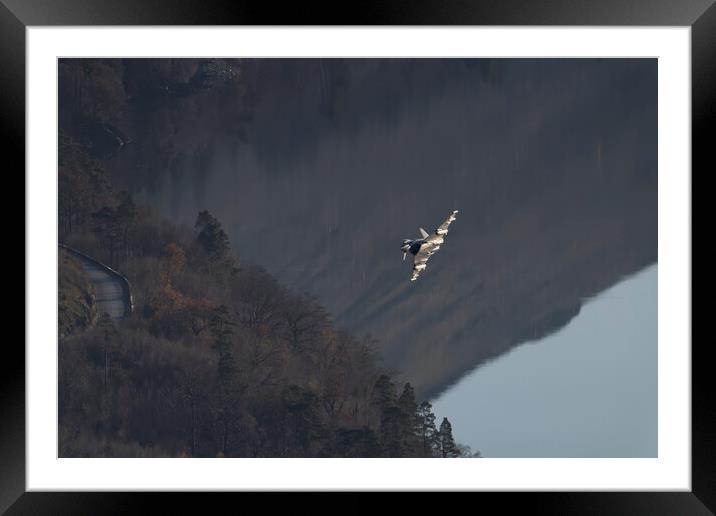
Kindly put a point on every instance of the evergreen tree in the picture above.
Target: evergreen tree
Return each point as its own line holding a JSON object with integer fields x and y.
{"x": 107, "y": 230}
{"x": 448, "y": 447}
{"x": 212, "y": 238}
{"x": 383, "y": 393}
{"x": 428, "y": 432}
{"x": 113, "y": 226}
{"x": 83, "y": 184}
{"x": 407, "y": 403}
{"x": 391, "y": 432}
{"x": 384, "y": 401}
{"x": 126, "y": 214}
{"x": 409, "y": 423}
{"x": 74, "y": 197}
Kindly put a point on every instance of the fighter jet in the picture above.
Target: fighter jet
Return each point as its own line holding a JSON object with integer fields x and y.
{"x": 423, "y": 248}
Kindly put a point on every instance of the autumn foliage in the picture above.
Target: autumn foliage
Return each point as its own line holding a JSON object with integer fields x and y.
{"x": 217, "y": 359}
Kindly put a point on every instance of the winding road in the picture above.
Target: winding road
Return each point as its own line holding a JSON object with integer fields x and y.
{"x": 112, "y": 293}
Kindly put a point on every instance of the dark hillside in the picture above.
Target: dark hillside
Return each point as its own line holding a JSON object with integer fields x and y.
{"x": 218, "y": 358}
{"x": 318, "y": 168}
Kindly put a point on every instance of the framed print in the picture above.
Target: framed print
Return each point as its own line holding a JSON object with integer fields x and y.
{"x": 214, "y": 299}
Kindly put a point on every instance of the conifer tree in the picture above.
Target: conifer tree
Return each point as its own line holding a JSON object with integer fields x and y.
{"x": 212, "y": 238}
{"x": 409, "y": 423}
{"x": 448, "y": 447}
{"x": 107, "y": 230}
{"x": 383, "y": 393}
{"x": 428, "y": 432}
{"x": 391, "y": 434}
{"x": 384, "y": 401}
{"x": 126, "y": 214}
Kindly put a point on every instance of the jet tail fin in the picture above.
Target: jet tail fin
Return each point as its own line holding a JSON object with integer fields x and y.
{"x": 424, "y": 233}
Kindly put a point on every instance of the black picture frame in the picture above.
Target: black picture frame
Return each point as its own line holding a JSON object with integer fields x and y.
{"x": 17, "y": 15}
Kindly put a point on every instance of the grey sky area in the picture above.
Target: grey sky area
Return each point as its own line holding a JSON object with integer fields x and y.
{"x": 551, "y": 162}
{"x": 588, "y": 390}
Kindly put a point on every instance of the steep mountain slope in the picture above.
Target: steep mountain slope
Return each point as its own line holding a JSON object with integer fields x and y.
{"x": 319, "y": 168}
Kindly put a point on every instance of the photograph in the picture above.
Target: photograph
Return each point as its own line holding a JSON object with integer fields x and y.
{"x": 357, "y": 257}
{"x": 293, "y": 250}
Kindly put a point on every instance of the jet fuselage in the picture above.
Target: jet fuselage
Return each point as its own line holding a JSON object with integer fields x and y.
{"x": 426, "y": 246}
{"x": 412, "y": 246}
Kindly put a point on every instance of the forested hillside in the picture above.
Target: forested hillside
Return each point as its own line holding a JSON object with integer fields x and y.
{"x": 218, "y": 358}
{"x": 75, "y": 296}
{"x": 318, "y": 168}
{"x": 315, "y": 170}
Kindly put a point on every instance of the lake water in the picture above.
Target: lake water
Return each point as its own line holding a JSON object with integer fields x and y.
{"x": 588, "y": 390}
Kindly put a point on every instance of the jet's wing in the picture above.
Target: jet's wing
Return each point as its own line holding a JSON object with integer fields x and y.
{"x": 436, "y": 239}
{"x": 432, "y": 244}
{"x": 443, "y": 228}
{"x": 421, "y": 260}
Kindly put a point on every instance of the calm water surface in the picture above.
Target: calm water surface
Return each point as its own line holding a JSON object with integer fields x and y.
{"x": 588, "y": 390}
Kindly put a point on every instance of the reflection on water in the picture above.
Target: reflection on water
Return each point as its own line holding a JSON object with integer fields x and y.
{"x": 589, "y": 390}
{"x": 551, "y": 162}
